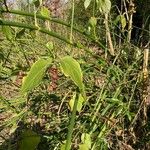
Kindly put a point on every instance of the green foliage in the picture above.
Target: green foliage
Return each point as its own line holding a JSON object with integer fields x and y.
{"x": 104, "y": 6}
{"x": 122, "y": 20}
{"x": 93, "y": 22}
{"x": 80, "y": 102}
{"x": 86, "y": 140}
{"x": 50, "y": 45}
{"x": 87, "y": 3}
{"x": 7, "y": 32}
{"x": 29, "y": 140}
{"x": 113, "y": 84}
{"x": 45, "y": 12}
{"x": 83, "y": 147}
{"x": 70, "y": 67}
{"x": 35, "y": 75}
{"x": 62, "y": 147}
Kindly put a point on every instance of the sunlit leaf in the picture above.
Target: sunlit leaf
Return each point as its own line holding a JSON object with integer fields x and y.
{"x": 45, "y": 12}
{"x": 50, "y": 45}
{"x": 13, "y": 128}
{"x": 119, "y": 111}
{"x": 104, "y": 6}
{"x": 86, "y": 139}
{"x": 83, "y": 147}
{"x": 93, "y": 21}
{"x": 87, "y": 3}
{"x": 29, "y": 140}
{"x": 70, "y": 67}
{"x": 129, "y": 116}
{"x": 123, "y": 21}
{"x": 35, "y": 75}
{"x": 80, "y": 102}
{"x": 62, "y": 147}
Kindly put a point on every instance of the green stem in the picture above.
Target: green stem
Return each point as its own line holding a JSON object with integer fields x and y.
{"x": 94, "y": 8}
{"x": 35, "y": 19}
{"x": 72, "y": 122}
{"x": 33, "y": 27}
{"x": 53, "y": 34}
{"x": 72, "y": 20}
{"x": 17, "y": 12}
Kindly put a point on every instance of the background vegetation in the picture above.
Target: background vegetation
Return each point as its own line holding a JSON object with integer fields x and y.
{"x": 74, "y": 75}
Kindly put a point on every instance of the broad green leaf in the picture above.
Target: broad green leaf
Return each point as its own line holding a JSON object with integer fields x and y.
{"x": 87, "y": 3}
{"x": 93, "y": 21}
{"x": 70, "y": 67}
{"x": 35, "y": 75}
{"x": 45, "y": 12}
{"x": 83, "y": 147}
{"x": 80, "y": 102}
{"x": 29, "y": 140}
{"x": 104, "y": 6}
{"x": 8, "y": 32}
{"x": 86, "y": 139}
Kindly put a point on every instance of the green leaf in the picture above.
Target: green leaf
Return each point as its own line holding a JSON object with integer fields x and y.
{"x": 8, "y": 32}
{"x": 50, "y": 45}
{"x": 13, "y": 128}
{"x": 129, "y": 115}
{"x": 70, "y": 67}
{"x": 117, "y": 20}
{"x": 5, "y": 72}
{"x": 79, "y": 105}
{"x": 35, "y": 74}
{"x": 83, "y": 147}
{"x": 87, "y": 3}
{"x": 29, "y": 140}
{"x": 63, "y": 147}
{"x": 123, "y": 21}
{"x": 104, "y": 6}
{"x": 45, "y": 12}
{"x": 86, "y": 139}
{"x": 93, "y": 21}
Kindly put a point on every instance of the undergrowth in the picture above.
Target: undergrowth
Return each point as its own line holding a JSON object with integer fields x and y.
{"x": 95, "y": 103}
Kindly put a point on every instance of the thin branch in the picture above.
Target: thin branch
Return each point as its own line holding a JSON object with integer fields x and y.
{"x": 17, "y": 12}
{"x": 111, "y": 48}
{"x": 53, "y": 34}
